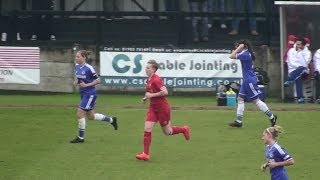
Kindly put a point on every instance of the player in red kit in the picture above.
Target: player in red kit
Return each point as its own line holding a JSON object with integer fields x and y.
{"x": 159, "y": 110}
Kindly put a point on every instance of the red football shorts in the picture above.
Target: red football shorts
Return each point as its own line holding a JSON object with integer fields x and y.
{"x": 159, "y": 113}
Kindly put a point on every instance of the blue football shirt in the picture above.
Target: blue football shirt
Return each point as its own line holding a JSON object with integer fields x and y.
{"x": 247, "y": 66}
{"x": 87, "y": 74}
{"x": 276, "y": 153}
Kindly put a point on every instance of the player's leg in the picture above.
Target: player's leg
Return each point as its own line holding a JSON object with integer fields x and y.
{"x": 151, "y": 120}
{"x": 97, "y": 116}
{"x": 82, "y": 126}
{"x": 147, "y": 136}
{"x": 240, "y": 107}
{"x": 254, "y": 94}
{"x": 164, "y": 116}
{"x": 101, "y": 117}
{"x": 173, "y": 130}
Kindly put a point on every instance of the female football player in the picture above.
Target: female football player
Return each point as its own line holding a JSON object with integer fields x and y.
{"x": 277, "y": 157}
{"x": 159, "y": 110}
{"x": 249, "y": 89}
{"x": 87, "y": 79}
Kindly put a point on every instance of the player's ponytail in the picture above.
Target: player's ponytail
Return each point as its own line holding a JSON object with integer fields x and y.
{"x": 248, "y": 46}
{"x": 275, "y": 131}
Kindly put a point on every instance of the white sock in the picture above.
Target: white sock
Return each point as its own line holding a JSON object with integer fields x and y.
{"x": 110, "y": 120}
{"x": 82, "y": 123}
{"x": 98, "y": 116}
{"x": 240, "y": 110}
{"x": 82, "y": 126}
{"x": 264, "y": 108}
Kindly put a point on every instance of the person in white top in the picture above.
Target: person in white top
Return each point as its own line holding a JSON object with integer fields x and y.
{"x": 316, "y": 75}
{"x": 316, "y": 62}
{"x": 298, "y": 59}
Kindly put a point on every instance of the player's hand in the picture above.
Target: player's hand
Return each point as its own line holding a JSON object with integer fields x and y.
{"x": 272, "y": 164}
{"x": 264, "y": 167}
{"x": 144, "y": 99}
{"x": 82, "y": 84}
{"x": 240, "y": 46}
{"x": 75, "y": 83}
{"x": 148, "y": 95}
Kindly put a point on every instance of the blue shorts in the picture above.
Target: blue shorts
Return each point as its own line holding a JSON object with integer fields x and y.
{"x": 249, "y": 91}
{"x": 279, "y": 176}
{"x": 87, "y": 102}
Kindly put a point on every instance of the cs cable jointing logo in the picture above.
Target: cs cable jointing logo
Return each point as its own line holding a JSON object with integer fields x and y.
{"x": 176, "y": 69}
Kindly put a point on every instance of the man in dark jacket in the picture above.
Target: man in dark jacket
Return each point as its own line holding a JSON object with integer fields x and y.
{"x": 199, "y": 6}
{"x": 42, "y": 24}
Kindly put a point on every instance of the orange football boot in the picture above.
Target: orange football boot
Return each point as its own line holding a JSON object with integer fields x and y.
{"x": 186, "y": 133}
{"x": 143, "y": 156}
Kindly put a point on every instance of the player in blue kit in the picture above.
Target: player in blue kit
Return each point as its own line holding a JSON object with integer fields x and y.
{"x": 277, "y": 157}
{"x": 87, "y": 78}
{"x": 249, "y": 89}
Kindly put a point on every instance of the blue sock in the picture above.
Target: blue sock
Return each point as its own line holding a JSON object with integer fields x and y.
{"x": 106, "y": 118}
{"x": 81, "y": 133}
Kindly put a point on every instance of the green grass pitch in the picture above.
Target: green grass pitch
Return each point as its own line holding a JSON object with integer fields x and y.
{"x": 35, "y": 133}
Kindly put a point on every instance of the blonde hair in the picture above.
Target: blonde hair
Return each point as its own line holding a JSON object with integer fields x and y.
{"x": 275, "y": 131}
{"x": 154, "y": 64}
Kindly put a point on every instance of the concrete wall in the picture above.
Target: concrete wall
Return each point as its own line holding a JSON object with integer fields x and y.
{"x": 57, "y": 73}
{"x": 269, "y": 60}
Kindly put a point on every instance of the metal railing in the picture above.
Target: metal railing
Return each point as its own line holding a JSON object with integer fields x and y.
{"x": 179, "y": 16}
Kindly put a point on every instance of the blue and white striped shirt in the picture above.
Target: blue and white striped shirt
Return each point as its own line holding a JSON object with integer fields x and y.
{"x": 276, "y": 153}
{"x": 247, "y": 66}
{"x": 87, "y": 74}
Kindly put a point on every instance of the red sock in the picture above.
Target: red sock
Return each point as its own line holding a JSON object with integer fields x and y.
{"x": 177, "y": 130}
{"x": 146, "y": 142}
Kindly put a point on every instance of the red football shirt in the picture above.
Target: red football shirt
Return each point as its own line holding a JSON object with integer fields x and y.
{"x": 154, "y": 85}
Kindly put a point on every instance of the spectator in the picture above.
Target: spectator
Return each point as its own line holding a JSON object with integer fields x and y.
{"x": 298, "y": 59}
{"x": 217, "y": 6}
{"x": 236, "y": 20}
{"x": 111, "y": 6}
{"x": 11, "y": 26}
{"x": 171, "y": 5}
{"x": 316, "y": 62}
{"x": 199, "y": 6}
{"x": 275, "y": 24}
{"x": 38, "y": 20}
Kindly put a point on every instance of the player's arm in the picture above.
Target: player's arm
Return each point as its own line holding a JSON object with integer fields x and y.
{"x": 93, "y": 83}
{"x": 287, "y": 160}
{"x": 163, "y": 92}
{"x": 282, "y": 163}
{"x": 233, "y": 55}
